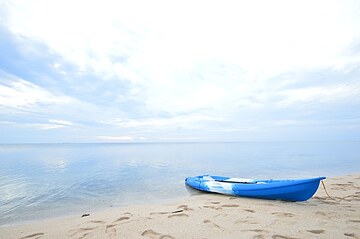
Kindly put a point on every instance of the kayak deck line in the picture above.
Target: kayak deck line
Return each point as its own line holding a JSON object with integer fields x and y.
{"x": 226, "y": 181}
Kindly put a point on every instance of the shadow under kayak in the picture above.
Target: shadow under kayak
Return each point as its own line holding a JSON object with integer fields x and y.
{"x": 288, "y": 190}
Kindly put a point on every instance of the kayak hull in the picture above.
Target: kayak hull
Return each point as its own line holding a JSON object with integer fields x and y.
{"x": 287, "y": 190}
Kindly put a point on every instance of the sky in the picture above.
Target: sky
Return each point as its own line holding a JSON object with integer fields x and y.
{"x": 179, "y": 71}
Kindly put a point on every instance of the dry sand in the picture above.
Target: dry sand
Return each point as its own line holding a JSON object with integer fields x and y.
{"x": 215, "y": 216}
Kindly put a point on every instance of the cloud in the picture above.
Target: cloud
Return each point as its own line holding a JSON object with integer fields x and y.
{"x": 225, "y": 67}
{"x": 46, "y": 126}
{"x": 186, "y": 99}
{"x": 319, "y": 95}
{"x": 52, "y": 124}
{"x": 118, "y": 138}
{"x": 21, "y": 94}
{"x": 242, "y": 34}
{"x": 185, "y": 121}
{"x": 61, "y": 122}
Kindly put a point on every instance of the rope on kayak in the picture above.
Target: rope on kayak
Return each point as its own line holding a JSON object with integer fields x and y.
{"x": 323, "y": 184}
{"x": 340, "y": 198}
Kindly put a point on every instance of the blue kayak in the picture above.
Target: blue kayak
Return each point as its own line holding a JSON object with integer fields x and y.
{"x": 288, "y": 190}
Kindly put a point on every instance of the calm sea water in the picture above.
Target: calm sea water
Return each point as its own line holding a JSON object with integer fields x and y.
{"x": 48, "y": 180}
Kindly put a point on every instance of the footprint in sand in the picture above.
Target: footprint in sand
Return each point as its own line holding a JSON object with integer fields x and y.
{"x": 110, "y": 231}
{"x": 175, "y": 213}
{"x": 81, "y": 232}
{"x": 247, "y": 220}
{"x": 322, "y": 214}
{"x": 221, "y": 215}
{"x": 260, "y": 235}
{"x": 33, "y": 236}
{"x": 185, "y": 207}
{"x": 211, "y": 224}
{"x": 122, "y": 219}
{"x": 213, "y": 207}
{"x": 283, "y": 214}
{"x": 283, "y": 237}
{"x": 158, "y": 213}
{"x": 319, "y": 198}
{"x": 350, "y": 234}
{"x": 97, "y": 222}
{"x": 353, "y": 221}
{"x": 316, "y": 231}
{"x": 331, "y": 202}
{"x": 150, "y": 234}
{"x": 155, "y": 235}
{"x": 230, "y": 205}
{"x": 249, "y": 210}
{"x": 166, "y": 237}
{"x": 256, "y": 230}
{"x": 178, "y": 215}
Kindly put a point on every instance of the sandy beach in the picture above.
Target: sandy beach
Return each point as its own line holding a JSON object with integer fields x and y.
{"x": 215, "y": 216}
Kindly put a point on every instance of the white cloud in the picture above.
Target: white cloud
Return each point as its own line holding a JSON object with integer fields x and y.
{"x": 186, "y": 98}
{"x": 45, "y": 126}
{"x": 53, "y": 124}
{"x": 188, "y": 65}
{"x": 317, "y": 95}
{"x": 185, "y": 121}
{"x": 41, "y": 126}
{"x": 18, "y": 93}
{"x": 117, "y": 138}
{"x": 162, "y": 46}
{"x": 286, "y": 122}
{"x": 61, "y": 122}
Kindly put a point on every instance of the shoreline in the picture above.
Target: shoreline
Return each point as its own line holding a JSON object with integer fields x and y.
{"x": 79, "y": 213}
{"x": 214, "y": 216}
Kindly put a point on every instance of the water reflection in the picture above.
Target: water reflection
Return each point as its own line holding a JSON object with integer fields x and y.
{"x": 57, "y": 179}
{"x": 191, "y": 191}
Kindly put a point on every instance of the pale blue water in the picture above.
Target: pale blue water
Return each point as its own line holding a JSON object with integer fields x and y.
{"x": 48, "y": 180}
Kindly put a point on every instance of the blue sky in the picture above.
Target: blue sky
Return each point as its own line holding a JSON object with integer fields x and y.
{"x": 168, "y": 71}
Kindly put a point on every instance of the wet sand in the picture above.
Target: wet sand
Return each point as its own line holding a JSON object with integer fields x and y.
{"x": 215, "y": 216}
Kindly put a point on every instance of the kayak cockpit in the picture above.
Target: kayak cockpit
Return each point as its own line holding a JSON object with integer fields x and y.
{"x": 234, "y": 180}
